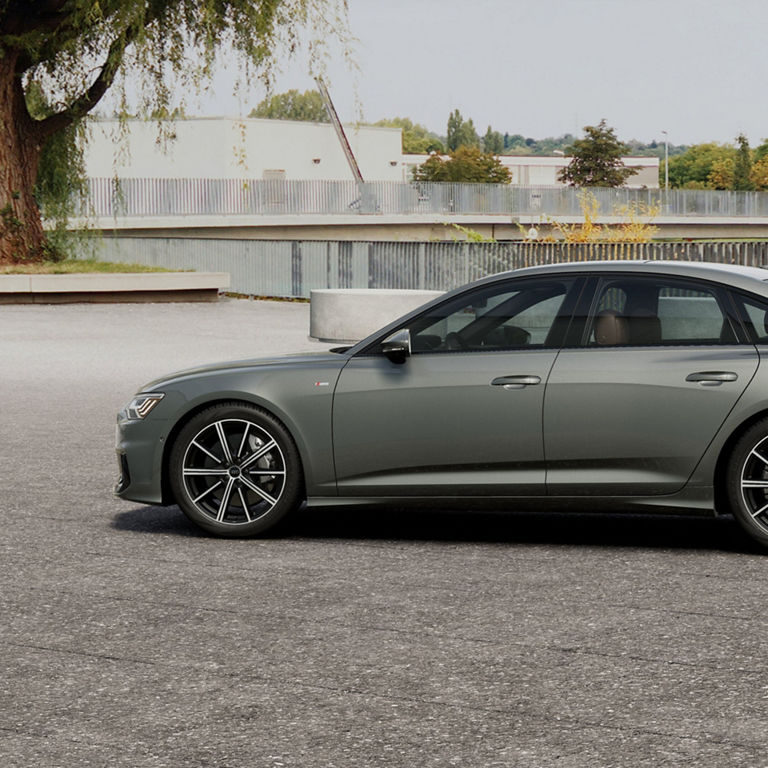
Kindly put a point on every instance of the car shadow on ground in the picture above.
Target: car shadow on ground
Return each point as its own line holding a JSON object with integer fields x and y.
{"x": 532, "y": 528}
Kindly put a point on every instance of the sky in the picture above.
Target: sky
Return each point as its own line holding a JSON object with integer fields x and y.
{"x": 695, "y": 68}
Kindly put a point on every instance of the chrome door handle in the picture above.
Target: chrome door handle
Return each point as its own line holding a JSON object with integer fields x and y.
{"x": 711, "y": 378}
{"x": 515, "y": 382}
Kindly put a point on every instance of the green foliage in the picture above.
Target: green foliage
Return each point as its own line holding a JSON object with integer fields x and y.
{"x": 471, "y": 235}
{"x": 293, "y": 105}
{"x": 597, "y": 159}
{"x": 493, "y": 142}
{"x": 694, "y": 168}
{"x": 761, "y": 151}
{"x": 742, "y": 166}
{"x": 61, "y": 171}
{"x": 467, "y": 164}
{"x": 461, "y": 133}
{"x": 417, "y": 140}
{"x": 168, "y": 47}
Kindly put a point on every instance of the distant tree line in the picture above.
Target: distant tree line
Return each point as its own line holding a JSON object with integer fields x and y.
{"x": 720, "y": 166}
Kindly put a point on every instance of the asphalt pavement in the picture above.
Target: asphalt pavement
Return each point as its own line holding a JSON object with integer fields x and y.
{"x": 357, "y": 637}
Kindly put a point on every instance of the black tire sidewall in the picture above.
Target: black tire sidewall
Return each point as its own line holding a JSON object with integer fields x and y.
{"x": 293, "y": 490}
{"x": 754, "y": 435}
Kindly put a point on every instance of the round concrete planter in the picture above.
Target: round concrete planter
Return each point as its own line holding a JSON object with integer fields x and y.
{"x": 351, "y": 314}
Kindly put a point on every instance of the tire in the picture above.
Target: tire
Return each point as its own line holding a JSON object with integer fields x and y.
{"x": 235, "y": 471}
{"x": 747, "y": 482}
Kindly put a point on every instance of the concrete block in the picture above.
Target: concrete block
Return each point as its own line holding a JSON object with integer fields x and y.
{"x": 140, "y": 281}
{"x": 14, "y": 283}
{"x": 351, "y": 314}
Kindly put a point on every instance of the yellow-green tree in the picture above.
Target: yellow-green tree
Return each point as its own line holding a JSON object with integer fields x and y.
{"x": 467, "y": 164}
{"x": 293, "y": 105}
{"x": 417, "y": 140}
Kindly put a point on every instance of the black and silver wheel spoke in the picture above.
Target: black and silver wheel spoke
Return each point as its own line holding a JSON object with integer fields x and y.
{"x": 256, "y": 455}
{"x": 233, "y": 471}
{"x": 259, "y": 492}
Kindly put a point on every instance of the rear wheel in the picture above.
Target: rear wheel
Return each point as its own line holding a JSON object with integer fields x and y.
{"x": 747, "y": 482}
{"x": 235, "y": 470}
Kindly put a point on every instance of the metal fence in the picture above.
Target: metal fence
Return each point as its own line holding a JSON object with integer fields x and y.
{"x": 259, "y": 197}
{"x": 294, "y": 267}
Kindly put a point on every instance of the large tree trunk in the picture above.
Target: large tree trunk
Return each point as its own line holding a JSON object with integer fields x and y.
{"x": 21, "y": 230}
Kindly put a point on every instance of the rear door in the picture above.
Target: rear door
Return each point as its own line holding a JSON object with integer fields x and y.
{"x": 633, "y": 403}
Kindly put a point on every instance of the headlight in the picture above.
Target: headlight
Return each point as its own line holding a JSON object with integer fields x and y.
{"x": 141, "y": 405}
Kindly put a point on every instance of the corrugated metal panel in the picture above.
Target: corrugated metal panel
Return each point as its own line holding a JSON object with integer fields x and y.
{"x": 294, "y": 268}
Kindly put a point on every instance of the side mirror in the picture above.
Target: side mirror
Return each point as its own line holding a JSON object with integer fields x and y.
{"x": 397, "y": 347}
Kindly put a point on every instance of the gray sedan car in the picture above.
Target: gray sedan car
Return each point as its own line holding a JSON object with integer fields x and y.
{"x": 598, "y": 386}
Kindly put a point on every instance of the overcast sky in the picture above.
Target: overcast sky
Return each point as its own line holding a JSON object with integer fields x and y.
{"x": 695, "y": 68}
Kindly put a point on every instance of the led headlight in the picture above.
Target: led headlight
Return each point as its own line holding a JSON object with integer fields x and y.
{"x": 142, "y": 404}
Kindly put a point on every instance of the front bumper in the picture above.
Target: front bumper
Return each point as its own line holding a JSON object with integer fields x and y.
{"x": 139, "y": 446}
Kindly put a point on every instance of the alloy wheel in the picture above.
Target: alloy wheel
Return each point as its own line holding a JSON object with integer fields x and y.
{"x": 233, "y": 471}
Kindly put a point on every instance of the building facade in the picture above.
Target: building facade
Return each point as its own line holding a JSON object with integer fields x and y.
{"x": 251, "y": 148}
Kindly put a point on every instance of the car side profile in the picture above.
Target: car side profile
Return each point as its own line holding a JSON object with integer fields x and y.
{"x": 595, "y": 385}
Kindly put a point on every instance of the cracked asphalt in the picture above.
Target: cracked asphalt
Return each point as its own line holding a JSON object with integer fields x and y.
{"x": 357, "y": 637}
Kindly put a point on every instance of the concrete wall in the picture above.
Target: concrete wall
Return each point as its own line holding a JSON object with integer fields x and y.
{"x": 224, "y": 148}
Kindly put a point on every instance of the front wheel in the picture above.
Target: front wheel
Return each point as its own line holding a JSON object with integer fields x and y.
{"x": 235, "y": 470}
{"x": 747, "y": 482}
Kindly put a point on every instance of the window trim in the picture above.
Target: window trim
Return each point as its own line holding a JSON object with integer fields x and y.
{"x": 565, "y": 313}
{"x": 737, "y": 297}
{"x": 720, "y": 292}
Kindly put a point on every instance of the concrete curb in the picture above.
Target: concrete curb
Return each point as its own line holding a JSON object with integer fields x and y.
{"x": 112, "y": 287}
{"x": 351, "y": 314}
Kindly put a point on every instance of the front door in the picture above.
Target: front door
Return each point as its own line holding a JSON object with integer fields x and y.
{"x": 462, "y": 415}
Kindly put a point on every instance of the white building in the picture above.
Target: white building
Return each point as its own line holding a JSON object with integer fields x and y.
{"x": 250, "y": 148}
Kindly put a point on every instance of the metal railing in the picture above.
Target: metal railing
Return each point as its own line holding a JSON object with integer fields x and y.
{"x": 294, "y": 267}
{"x": 259, "y": 197}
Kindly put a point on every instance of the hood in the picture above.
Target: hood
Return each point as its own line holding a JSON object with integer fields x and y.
{"x": 303, "y": 359}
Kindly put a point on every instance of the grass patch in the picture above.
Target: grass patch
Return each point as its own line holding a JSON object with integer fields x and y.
{"x": 75, "y": 266}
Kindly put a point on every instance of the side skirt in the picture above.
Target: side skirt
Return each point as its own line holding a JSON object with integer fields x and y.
{"x": 689, "y": 501}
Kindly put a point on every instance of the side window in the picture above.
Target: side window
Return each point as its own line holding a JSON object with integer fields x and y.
{"x": 639, "y": 311}
{"x": 502, "y": 316}
{"x": 755, "y": 315}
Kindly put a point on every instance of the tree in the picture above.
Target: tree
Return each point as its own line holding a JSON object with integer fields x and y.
{"x": 468, "y": 164}
{"x": 759, "y": 175}
{"x": 461, "y": 133}
{"x": 694, "y": 168}
{"x": 742, "y": 166}
{"x": 417, "y": 140}
{"x": 493, "y": 142}
{"x": 597, "y": 159}
{"x": 76, "y": 50}
{"x": 293, "y": 105}
{"x": 722, "y": 175}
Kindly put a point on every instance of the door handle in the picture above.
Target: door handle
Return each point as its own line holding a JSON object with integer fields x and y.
{"x": 515, "y": 382}
{"x": 711, "y": 378}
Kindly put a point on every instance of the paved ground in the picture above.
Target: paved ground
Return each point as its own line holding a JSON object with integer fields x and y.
{"x": 359, "y": 638}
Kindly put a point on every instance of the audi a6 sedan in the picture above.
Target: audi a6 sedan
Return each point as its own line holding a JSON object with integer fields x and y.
{"x": 599, "y": 386}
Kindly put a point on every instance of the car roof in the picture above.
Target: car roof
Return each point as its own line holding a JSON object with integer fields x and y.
{"x": 747, "y": 278}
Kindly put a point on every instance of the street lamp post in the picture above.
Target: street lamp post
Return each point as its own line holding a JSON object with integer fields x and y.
{"x": 666, "y": 161}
